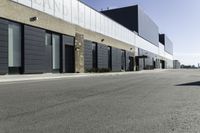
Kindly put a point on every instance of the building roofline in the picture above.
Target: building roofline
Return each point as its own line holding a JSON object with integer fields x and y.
{"x": 118, "y": 8}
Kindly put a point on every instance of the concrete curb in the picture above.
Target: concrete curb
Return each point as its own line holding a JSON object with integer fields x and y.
{"x": 49, "y": 76}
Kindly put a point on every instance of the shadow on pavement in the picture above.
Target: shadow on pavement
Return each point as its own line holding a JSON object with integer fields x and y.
{"x": 197, "y": 83}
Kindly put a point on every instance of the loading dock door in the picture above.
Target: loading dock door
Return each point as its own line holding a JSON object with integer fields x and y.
{"x": 69, "y": 59}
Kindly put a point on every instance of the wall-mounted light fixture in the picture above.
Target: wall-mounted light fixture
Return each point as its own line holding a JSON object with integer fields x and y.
{"x": 131, "y": 48}
{"x": 102, "y": 40}
{"x": 33, "y": 19}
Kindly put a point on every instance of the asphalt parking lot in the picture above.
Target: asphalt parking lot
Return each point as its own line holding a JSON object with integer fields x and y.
{"x": 154, "y": 102}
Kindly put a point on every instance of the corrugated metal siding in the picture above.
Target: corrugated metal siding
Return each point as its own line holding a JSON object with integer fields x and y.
{"x": 3, "y": 46}
{"x": 116, "y": 59}
{"x": 102, "y": 56}
{"x": 88, "y": 55}
{"x": 34, "y": 50}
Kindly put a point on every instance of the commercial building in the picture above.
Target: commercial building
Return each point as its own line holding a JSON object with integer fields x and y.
{"x": 67, "y": 36}
{"x": 154, "y": 50}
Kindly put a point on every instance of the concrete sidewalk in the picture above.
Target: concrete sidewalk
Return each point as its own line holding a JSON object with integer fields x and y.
{"x": 50, "y": 76}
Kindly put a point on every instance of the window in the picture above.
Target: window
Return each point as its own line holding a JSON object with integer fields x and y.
{"x": 123, "y": 59}
{"x": 14, "y": 45}
{"x": 56, "y": 51}
{"x": 48, "y": 39}
{"x": 94, "y": 55}
{"x": 109, "y": 58}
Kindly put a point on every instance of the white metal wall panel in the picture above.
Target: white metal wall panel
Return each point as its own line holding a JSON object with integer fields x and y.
{"x": 24, "y": 2}
{"x": 102, "y": 23}
{"x": 161, "y": 50}
{"x": 108, "y": 23}
{"x": 49, "y": 6}
{"x": 93, "y": 22}
{"x": 98, "y": 22}
{"x": 38, "y": 5}
{"x": 75, "y": 12}
{"x": 106, "y": 26}
{"x": 110, "y": 28}
{"x": 67, "y": 10}
{"x": 81, "y": 14}
{"x": 58, "y": 8}
{"x": 124, "y": 35}
{"x": 118, "y": 31}
{"x": 168, "y": 56}
{"x": 127, "y": 36}
{"x": 113, "y": 29}
{"x": 141, "y": 43}
{"x": 87, "y": 18}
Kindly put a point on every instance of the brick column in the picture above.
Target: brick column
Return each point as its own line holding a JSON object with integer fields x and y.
{"x": 79, "y": 53}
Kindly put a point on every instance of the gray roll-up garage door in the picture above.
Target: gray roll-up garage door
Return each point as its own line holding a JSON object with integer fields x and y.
{"x": 3, "y": 46}
{"x": 34, "y": 50}
{"x": 116, "y": 59}
{"x": 102, "y": 57}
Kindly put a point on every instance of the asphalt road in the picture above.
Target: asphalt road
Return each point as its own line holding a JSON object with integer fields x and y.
{"x": 153, "y": 102}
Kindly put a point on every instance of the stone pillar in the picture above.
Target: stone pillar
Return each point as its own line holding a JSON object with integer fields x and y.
{"x": 79, "y": 53}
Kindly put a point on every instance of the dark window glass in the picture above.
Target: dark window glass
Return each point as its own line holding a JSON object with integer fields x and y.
{"x": 94, "y": 55}
{"x": 109, "y": 58}
{"x": 56, "y": 51}
{"x": 123, "y": 60}
{"x": 48, "y": 39}
{"x": 14, "y": 45}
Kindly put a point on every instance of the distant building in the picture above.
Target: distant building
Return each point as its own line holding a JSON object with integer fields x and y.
{"x": 188, "y": 67}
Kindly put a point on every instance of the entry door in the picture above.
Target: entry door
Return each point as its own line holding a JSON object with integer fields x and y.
{"x": 131, "y": 63}
{"x": 69, "y": 59}
{"x": 162, "y": 64}
{"x": 137, "y": 63}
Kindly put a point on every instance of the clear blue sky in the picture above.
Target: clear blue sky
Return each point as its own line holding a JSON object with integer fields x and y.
{"x": 179, "y": 19}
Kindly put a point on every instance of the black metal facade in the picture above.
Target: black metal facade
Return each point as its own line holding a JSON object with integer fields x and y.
{"x": 136, "y": 20}
{"x": 167, "y": 43}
